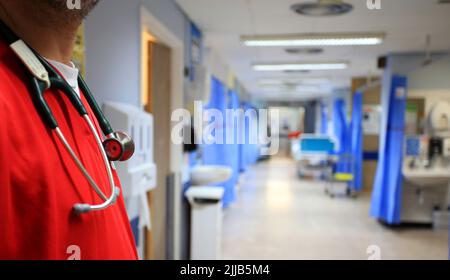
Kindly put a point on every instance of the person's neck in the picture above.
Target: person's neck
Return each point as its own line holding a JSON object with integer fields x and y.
{"x": 47, "y": 40}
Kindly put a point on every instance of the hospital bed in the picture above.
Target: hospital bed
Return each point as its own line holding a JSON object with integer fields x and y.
{"x": 341, "y": 180}
{"x": 313, "y": 155}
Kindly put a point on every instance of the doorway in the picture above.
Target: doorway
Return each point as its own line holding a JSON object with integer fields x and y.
{"x": 162, "y": 78}
{"x": 158, "y": 103}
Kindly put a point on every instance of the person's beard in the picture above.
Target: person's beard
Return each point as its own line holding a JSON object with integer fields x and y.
{"x": 58, "y": 14}
{"x": 70, "y": 9}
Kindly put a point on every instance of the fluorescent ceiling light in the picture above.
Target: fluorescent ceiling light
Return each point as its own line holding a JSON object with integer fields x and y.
{"x": 298, "y": 88}
{"x": 314, "y": 40}
{"x": 271, "y": 83}
{"x": 299, "y": 81}
{"x": 315, "y": 81}
{"x": 300, "y": 66}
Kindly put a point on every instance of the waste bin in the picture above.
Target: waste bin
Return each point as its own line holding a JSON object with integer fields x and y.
{"x": 206, "y": 221}
{"x": 441, "y": 220}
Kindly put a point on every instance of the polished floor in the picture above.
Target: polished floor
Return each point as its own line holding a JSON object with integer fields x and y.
{"x": 278, "y": 216}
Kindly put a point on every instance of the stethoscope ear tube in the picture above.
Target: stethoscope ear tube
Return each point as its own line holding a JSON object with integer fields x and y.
{"x": 37, "y": 89}
{"x": 102, "y": 121}
{"x": 70, "y": 93}
{"x": 7, "y": 35}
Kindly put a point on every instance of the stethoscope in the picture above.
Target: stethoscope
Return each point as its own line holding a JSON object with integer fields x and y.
{"x": 118, "y": 146}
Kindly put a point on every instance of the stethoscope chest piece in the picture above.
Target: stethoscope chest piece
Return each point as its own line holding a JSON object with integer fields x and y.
{"x": 119, "y": 146}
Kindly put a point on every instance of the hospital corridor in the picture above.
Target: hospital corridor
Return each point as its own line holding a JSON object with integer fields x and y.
{"x": 243, "y": 132}
{"x": 301, "y": 223}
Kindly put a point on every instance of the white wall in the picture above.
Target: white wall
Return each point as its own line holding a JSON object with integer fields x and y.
{"x": 431, "y": 82}
{"x": 113, "y": 41}
{"x": 434, "y": 76}
{"x": 291, "y": 117}
{"x": 431, "y": 96}
{"x": 215, "y": 65}
{"x": 113, "y": 51}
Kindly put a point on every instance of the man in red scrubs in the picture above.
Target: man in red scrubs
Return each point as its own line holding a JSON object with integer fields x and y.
{"x": 39, "y": 182}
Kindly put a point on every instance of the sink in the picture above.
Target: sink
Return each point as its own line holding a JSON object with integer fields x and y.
{"x": 210, "y": 175}
{"x": 424, "y": 181}
{"x": 427, "y": 178}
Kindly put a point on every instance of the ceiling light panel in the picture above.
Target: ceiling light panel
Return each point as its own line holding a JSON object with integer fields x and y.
{"x": 300, "y": 81}
{"x": 300, "y": 66}
{"x": 314, "y": 40}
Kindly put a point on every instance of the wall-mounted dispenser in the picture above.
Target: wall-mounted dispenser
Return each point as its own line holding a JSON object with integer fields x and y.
{"x": 138, "y": 175}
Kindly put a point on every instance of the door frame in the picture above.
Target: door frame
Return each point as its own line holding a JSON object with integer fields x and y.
{"x": 149, "y": 24}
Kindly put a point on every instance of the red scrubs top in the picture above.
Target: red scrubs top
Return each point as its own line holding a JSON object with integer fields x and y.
{"x": 40, "y": 183}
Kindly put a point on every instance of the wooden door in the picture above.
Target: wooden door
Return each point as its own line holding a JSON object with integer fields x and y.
{"x": 159, "y": 105}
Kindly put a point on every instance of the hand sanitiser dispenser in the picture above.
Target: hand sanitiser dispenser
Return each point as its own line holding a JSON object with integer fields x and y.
{"x": 138, "y": 175}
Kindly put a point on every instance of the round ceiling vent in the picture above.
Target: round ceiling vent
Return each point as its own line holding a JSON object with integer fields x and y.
{"x": 322, "y": 8}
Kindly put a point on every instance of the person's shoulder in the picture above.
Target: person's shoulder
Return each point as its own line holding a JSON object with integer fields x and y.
{"x": 5, "y": 59}
{"x": 3, "y": 92}
{"x": 4, "y": 81}
{"x": 8, "y": 80}
{"x": 10, "y": 71}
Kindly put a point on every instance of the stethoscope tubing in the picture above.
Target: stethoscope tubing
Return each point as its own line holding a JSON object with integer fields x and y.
{"x": 80, "y": 208}
{"x": 55, "y": 80}
{"x": 58, "y": 83}
{"x": 112, "y": 199}
{"x": 80, "y": 166}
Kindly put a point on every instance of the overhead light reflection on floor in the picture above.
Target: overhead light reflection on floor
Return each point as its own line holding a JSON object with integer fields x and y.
{"x": 279, "y": 194}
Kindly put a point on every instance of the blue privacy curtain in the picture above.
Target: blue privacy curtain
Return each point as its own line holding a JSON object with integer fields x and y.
{"x": 232, "y": 124}
{"x": 357, "y": 138}
{"x": 241, "y": 147}
{"x": 217, "y": 154}
{"x": 232, "y": 154}
{"x": 342, "y": 134}
{"x": 323, "y": 119}
{"x": 386, "y": 197}
{"x": 249, "y": 152}
{"x": 229, "y": 153}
